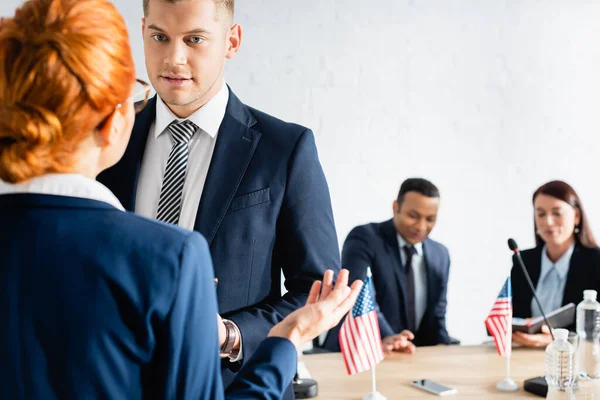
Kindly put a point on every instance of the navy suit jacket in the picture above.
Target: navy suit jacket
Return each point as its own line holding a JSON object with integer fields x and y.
{"x": 584, "y": 273}
{"x": 99, "y": 303}
{"x": 265, "y": 206}
{"x": 376, "y": 245}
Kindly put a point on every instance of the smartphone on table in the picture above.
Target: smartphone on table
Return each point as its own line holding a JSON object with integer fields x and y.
{"x": 434, "y": 387}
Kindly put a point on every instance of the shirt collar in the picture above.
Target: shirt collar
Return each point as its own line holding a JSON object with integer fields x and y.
{"x": 208, "y": 117}
{"x": 71, "y": 185}
{"x": 402, "y": 243}
{"x": 561, "y": 265}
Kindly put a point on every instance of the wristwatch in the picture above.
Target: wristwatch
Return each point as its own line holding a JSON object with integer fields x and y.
{"x": 230, "y": 338}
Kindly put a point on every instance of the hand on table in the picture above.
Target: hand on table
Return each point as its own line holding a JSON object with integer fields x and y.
{"x": 536, "y": 340}
{"x": 400, "y": 342}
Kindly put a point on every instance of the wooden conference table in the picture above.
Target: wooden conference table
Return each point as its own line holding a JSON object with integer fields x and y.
{"x": 472, "y": 370}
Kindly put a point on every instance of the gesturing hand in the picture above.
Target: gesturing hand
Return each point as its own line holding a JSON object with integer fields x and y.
{"x": 325, "y": 307}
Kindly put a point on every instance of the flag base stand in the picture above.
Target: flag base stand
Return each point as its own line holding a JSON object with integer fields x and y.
{"x": 374, "y": 396}
{"x": 507, "y": 385}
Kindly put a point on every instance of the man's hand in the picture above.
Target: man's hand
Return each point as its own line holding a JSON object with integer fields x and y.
{"x": 537, "y": 340}
{"x": 222, "y": 331}
{"x": 325, "y": 307}
{"x": 399, "y": 343}
{"x": 223, "y": 334}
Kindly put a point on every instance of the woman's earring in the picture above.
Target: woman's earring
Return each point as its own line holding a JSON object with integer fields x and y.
{"x": 576, "y": 230}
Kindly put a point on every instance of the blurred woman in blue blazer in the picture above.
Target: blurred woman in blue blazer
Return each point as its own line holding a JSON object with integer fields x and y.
{"x": 564, "y": 263}
{"x": 96, "y": 302}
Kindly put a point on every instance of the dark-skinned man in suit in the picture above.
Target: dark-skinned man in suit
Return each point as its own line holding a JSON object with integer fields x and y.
{"x": 410, "y": 271}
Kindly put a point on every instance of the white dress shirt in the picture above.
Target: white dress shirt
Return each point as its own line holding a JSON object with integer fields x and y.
{"x": 201, "y": 148}
{"x": 71, "y": 185}
{"x": 420, "y": 274}
{"x": 550, "y": 288}
{"x": 158, "y": 146}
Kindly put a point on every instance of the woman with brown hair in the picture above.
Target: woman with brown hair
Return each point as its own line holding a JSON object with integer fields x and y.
{"x": 565, "y": 262}
{"x": 96, "y": 302}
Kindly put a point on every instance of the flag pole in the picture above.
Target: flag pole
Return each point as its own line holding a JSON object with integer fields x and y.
{"x": 508, "y": 347}
{"x": 374, "y": 394}
{"x": 508, "y": 385}
{"x": 374, "y": 379}
{"x": 373, "y": 376}
{"x": 509, "y": 352}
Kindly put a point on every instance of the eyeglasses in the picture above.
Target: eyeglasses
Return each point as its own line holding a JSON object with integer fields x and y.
{"x": 141, "y": 93}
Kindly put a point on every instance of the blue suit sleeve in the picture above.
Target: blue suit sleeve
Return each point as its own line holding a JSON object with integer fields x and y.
{"x": 267, "y": 373}
{"x": 186, "y": 360}
{"x": 187, "y": 363}
{"x": 306, "y": 244}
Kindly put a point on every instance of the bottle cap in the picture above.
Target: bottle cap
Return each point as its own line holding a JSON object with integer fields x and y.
{"x": 561, "y": 334}
{"x": 590, "y": 294}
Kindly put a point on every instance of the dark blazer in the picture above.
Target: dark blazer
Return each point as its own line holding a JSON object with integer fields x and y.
{"x": 97, "y": 303}
{"x": 265, "y": 206}
{"x": 376, "y": 245}
{"x": 584, "y": 273}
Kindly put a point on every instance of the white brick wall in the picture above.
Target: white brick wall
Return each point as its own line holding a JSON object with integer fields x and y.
{"x": 487, "y": 99}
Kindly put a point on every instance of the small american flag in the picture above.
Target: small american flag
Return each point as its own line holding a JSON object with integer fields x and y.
{"x": 499, "y": 320}
{"x": 360, "y": 340}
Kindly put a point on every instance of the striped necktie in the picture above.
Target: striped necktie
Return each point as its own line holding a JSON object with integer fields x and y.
{"x": 171, "y": 193}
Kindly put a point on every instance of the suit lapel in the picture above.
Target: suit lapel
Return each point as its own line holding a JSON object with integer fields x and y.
{"x": 432, "y": 267}
{"x": 391, "y": 240}
{"x": 573, "y": 288}
{"x": 534, "y": 268}
{"x": 236, "y": 143}
{"x": 129, "y": 167}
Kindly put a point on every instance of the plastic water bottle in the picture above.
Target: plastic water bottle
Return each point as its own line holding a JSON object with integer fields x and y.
{"x": 560, "y": 373}
{"x": 588, "y": 330}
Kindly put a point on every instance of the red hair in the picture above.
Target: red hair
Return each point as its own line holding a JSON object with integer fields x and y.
{"x": 64, "y": 67}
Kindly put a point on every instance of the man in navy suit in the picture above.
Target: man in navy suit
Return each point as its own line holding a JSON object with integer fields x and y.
{"x": 253, "y": 187}
{"x": 410, "y": 271}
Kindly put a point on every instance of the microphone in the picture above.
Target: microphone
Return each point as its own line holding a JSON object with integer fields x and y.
{"x": 538, "y": 385}
{"x": 518, "y": 260}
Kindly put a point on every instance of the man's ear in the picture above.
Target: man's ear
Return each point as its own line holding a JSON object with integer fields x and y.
{"x": 143, "y": 26}
{"x": 396, "y": 207}
{"x": 234, "y": 40}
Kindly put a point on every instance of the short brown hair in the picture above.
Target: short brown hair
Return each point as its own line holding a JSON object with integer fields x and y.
{"x": 226, "y": 6}
{"x": 64, "y": 67}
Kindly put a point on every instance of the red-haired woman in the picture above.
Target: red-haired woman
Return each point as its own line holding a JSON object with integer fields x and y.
{"x": 96, "y": 302}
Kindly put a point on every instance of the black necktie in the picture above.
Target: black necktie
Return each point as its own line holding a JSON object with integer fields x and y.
{"x": 410, "y": 251}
